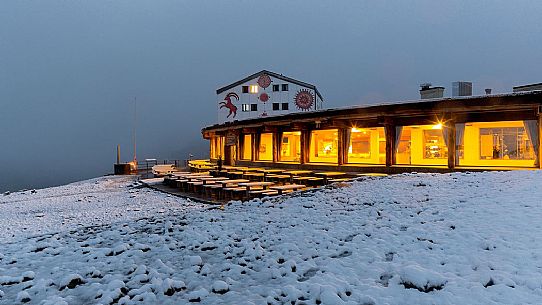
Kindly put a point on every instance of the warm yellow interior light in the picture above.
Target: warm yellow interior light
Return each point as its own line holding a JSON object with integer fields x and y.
{"x": 253, "y": 88}
{"x": 437, "y": 126}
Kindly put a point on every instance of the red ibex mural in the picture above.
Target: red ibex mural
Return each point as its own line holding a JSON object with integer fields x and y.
{"x": 226, "y": 103}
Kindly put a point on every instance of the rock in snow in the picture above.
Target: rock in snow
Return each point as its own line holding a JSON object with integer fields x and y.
{"x": 220, "y": 287}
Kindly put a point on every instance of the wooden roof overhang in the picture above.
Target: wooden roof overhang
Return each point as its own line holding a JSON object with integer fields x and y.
{"x": 516, "y": 106}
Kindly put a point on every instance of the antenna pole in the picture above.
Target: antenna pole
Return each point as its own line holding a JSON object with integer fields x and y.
{"x": 134, "y": 133}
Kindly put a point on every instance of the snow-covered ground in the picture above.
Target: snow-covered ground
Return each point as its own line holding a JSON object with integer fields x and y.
{"x": 408, "y": 239}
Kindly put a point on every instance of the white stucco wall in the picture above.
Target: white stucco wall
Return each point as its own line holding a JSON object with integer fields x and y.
{"x": 264, "y": 109}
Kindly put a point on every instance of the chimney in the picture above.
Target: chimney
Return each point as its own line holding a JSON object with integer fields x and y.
{"x": 461, "y": 88}
{"x": 427, "y": 92}
{"x": 488, "y": 91}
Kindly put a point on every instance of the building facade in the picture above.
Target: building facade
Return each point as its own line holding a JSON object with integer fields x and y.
{"x": 265, "y": 94}
{"x": 447, "y": 134}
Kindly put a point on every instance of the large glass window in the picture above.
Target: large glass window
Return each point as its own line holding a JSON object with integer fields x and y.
{"x": 324, "y": 146}
{"x": 434, "y": 145}
{"x": 421, "y": 145}
{"x": 290, "y": 146}
{"x": 247, "y": 147}
{"x": 266, "y": 147}
{"x": 505, "y": 143}
{"x": 367, "y": 145}
{"x": 217, "y": 147}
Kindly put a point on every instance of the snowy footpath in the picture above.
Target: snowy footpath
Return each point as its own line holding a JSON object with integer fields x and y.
{"x": 461, "y": 238}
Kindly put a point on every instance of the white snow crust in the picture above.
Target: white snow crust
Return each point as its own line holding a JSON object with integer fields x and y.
{"x": 460, "y": 238}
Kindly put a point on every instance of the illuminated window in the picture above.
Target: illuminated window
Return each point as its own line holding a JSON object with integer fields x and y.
{"x": 247, "y": 147}
{"x": 245, "y": 89}
{"x": 276, "y": 106}
{"x": 507, "y": 143}
{"x": 503, "y": 143}
{"x": 266, "y": 147}
{"x": 422, "y": 145}
{"x": 217, "y": 147}
{"x": 435, "y": 147}
{"x": 403, "y": 149}
{"x": 253, "y": 88}
{"x": 284, "y": 106}
{"x": 324, "y": 146}
{"x": 284, "y": 87}
{"x": 245, "y": 107}
{"x": 253, "y": 107}
{"x": 290, "y": 146}
{"x": 367, "y": 145}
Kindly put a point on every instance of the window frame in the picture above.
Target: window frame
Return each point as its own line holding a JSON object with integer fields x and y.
{"x": 284, "y": 108}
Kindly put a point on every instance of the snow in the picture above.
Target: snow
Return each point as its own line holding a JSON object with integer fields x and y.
{"x": 461, "y": 238}
{"x": 97, "y": 201}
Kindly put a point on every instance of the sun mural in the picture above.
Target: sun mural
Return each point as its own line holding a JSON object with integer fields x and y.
{"x": 264, "y": 81}
{"x": 304, "y": 99}
{"x": 264, "y": 97}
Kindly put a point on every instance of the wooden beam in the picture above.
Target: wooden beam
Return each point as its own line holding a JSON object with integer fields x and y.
{"x": 305, "y": 146}
{"x": 389, "y": 129}
{"x": 256, "y": 152}
{"x": 276, "y": 146}
{"x": 268, "y": 128}
{"x": 451, "y": 144}
{"x": 253, "y": 147}
{"x": 341, "y": 143}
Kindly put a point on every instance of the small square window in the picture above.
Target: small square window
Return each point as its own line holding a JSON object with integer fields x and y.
{"x": 275, "y": 88}
{"x": 245, "y": 107}
{"x": 276, "y": 106}
{"x": 253, "y": 88}
{"x": 284, "y": 87}
{"x": 245, "y": 89}
{"x": 253, "y": 107}
{"x": 284, "y": 106}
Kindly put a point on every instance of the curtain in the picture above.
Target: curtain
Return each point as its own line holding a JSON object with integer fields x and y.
{"x": 459, "y": 136}
{"x": 531, "y": 127}
{"x": 445, "y": 134}
{"x": 398, "y": 131}
{"x": 347, "y": 137}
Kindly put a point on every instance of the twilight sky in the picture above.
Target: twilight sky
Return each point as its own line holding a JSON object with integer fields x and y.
{"x": 70, "y": 70}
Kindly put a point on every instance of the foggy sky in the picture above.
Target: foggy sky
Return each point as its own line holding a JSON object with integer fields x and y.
{"x": 70, "y": 70}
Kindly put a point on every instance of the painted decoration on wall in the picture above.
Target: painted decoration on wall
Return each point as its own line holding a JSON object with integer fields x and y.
{"x": 227, "y": 103}
{"x": 304, "y": 99}
{"x": 264, "y": 97}
{"x": 264, "y": 81}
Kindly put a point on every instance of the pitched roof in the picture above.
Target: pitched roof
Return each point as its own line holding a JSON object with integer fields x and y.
{"x": 273, "y": 74}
